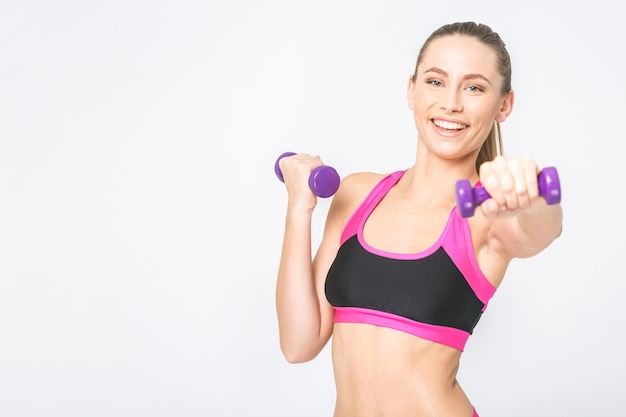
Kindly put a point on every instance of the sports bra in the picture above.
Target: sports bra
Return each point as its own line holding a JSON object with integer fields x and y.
{"x": 438, "y": 294}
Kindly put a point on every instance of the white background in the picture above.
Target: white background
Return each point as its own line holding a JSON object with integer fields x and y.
{"x": 141, "y": 221}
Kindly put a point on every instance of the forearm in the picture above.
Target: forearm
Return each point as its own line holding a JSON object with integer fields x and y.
{"x": 297, "y": 302}
{"x": 537, "y": 227}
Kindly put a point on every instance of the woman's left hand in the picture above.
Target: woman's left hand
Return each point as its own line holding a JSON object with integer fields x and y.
{"x": 512, "y": 185}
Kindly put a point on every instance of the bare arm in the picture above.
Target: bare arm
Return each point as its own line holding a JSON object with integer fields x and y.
{"x": 531, "y": 231}
{"x": 528, "y": 223}
{"x": 304, "y": 315}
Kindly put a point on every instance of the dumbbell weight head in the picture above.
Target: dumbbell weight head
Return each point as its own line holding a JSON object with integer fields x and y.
{"x": 465, "y": 201}
{"x": 277, "y": 170}
{"x": 468, "y": 198}
{"x": 550, "y": 185}
{"x": 323, "y": 180}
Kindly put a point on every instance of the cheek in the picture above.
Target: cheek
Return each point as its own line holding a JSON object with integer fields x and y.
{"x": 484, "y": 112}
{"x": 423, "y": 103}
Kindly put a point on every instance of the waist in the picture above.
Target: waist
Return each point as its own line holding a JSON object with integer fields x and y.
{"x": 392, "y": 372}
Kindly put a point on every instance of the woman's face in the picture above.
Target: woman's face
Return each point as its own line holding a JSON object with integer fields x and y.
{"x": 456, "y": 96}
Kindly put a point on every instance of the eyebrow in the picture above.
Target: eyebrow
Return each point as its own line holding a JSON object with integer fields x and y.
{"x": 466, "y": 77}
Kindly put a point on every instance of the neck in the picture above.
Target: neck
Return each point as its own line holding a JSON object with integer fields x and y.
{"x": 433, "y": 179}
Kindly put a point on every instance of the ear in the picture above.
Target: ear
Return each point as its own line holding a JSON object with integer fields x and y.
{"x": 410, "y": 93}
{"x": 507, "y": 107}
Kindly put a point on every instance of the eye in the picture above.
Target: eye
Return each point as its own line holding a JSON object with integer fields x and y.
{"x": 475, "y": 89}
{"x": 434, "y": 82}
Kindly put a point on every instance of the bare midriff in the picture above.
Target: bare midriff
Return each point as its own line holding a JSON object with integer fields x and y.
{"x": 382, "y": 372}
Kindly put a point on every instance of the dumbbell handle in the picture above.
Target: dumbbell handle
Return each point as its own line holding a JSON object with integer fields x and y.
{"x": 323, "y": 180}
{"x": 468, "y": 198}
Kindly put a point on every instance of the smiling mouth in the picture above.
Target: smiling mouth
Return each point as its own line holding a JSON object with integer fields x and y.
{"x": 449, "y": 125}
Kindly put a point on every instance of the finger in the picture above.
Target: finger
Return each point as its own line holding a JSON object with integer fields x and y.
{"x": 501, "y": 184}
{"x": 508, "y": 188}
{"x": 532, "y": 184}
{"x": 490, "y": 208}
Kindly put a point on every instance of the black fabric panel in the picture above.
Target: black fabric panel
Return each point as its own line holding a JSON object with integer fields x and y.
{"x": 430, "y": 290}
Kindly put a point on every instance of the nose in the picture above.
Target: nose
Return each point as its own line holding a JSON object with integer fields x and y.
{"x": 451, "y": 103}
{"x": 450, "y": 107}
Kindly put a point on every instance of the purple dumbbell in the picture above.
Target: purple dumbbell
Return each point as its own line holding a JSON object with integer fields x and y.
{"x": 468, "y": 198}
{"x": 323, "y": 181}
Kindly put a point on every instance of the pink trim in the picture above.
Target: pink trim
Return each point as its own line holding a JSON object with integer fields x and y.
{"x": 460, "y": 250}
{"x": 448, "y": 336}
{"x": 402, "y": 256}
{"x": 354, "y": 222}
{"x": 459, "y": 246}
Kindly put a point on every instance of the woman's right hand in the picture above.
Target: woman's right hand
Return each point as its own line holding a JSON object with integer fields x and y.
{"x": 296, "y": 170}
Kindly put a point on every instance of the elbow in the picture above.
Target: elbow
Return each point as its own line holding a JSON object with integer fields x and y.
{"x": 294, "y": 353}
{"x": 295, "y": 356}
{"x": 295, "y": 359}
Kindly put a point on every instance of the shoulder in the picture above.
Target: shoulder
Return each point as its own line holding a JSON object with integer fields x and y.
{"x": 353, "y": 189}
{"x": 360, "y": 183}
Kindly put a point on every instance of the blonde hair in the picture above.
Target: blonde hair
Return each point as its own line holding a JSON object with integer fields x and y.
{"x": 492, "y": 146}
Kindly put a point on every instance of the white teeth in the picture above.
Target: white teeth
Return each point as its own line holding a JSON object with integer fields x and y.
{"x": 449, "y": 125}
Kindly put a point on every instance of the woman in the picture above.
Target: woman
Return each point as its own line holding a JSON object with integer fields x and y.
{"x": 400, "y": 278}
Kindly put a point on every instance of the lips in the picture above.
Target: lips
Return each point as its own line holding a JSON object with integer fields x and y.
{"x": 449, "y": 125}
